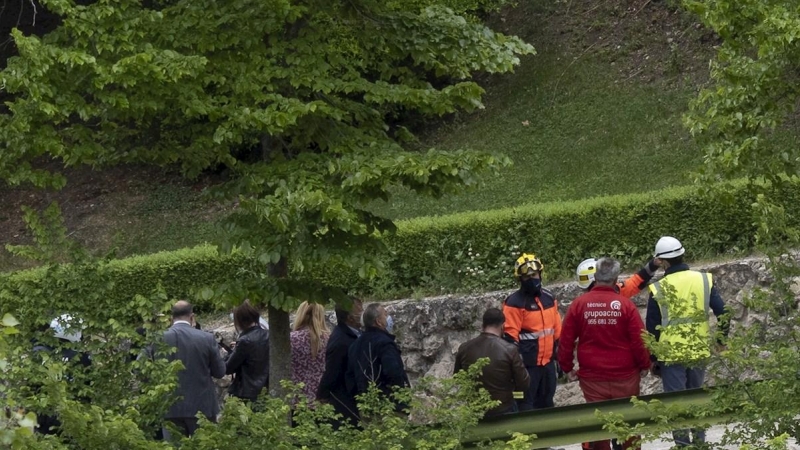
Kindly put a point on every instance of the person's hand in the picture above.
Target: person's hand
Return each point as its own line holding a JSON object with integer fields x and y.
{"x": 657, "y": 261}
{"x": 233, "y": 345}
{"x": 655, "y": 369}
{"x": 559, "y": 371}
{"x": 507, "y": 337}
{"x": 572, "y": 375}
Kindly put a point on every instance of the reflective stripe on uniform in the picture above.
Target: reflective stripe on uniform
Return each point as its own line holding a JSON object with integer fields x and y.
{"x": 663, "y": 306}
{"x": 537, "y": 335}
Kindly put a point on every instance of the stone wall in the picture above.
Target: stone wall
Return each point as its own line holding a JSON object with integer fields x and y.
{"x": 429, "y": 331}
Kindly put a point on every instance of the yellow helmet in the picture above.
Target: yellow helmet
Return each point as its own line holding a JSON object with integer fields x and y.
{"x": 526, "y": 263}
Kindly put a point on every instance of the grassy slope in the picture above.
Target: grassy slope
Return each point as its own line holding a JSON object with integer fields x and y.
{"x": 602, "y": 102}
{"x": 571, "y": 118}
{"x": 585, "y": 136}
{"x": 130, "y": 210}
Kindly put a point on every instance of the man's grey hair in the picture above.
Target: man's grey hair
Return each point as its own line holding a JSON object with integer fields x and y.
{"x": 607, "y": 270}
{"x": 371, "y": 314}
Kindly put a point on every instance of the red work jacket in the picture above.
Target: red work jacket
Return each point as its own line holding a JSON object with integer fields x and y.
{"x": 608, "y": 329}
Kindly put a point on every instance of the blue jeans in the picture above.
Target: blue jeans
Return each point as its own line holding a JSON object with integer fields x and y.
{"x": 677, "y": 377}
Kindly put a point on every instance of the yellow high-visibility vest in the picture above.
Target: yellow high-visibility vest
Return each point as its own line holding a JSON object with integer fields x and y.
{"x": 684, "y": 298}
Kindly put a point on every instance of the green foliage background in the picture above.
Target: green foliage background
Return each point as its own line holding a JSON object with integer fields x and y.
{"x": 465, "y": 252}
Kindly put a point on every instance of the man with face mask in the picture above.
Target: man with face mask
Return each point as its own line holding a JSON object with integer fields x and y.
{"x": 375, "y": 357}
{"x": 533, "y": 323}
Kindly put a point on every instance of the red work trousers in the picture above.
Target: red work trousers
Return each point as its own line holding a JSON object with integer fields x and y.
{"x": 599, "y": 390}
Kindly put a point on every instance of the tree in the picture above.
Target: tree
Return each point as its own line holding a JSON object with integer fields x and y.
{"x": 755, "y": 89}
{"x": 742, "y": 120}
{"x": 315, "y": 87}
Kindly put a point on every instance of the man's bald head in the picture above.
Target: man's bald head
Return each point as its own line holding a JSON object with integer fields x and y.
{"x": 182, "y": 310}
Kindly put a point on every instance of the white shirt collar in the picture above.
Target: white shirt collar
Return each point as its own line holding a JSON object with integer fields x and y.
{"x": 181, "y": 321}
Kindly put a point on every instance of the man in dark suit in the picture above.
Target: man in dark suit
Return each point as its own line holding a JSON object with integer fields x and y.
{"x": 197, "y": 350}
{"x": 332, "y": 386}
{"x": 375, "y": 357}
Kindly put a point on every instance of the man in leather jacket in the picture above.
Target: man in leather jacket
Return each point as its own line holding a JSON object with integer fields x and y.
{"x": 505, "y": 374}
{"x": 249, "y": 360}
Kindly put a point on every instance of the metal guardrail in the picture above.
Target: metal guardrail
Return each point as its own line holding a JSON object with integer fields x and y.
{"x": 578, "y": 423}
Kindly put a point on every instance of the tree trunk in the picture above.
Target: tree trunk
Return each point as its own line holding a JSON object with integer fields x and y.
{"x": 266, "y": 148}
{"x": 280, "y": 350}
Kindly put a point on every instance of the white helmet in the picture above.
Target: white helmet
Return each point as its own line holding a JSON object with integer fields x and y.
{"x": 66, "y": 328}
{"x": 585, "y": 272}
{"x": 668, "y": 247}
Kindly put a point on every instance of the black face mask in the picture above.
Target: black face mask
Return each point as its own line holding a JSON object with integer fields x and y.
{"x": 531, "y": 286}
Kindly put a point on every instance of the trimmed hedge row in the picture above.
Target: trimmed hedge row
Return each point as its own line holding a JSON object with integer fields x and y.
{"x": 563, "y": 234}
{"x": 178, "y": 273}
{"x": 476, "y": 250}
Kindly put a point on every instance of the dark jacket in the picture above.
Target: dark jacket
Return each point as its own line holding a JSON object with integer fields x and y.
{"x": 653, "y": 319}
{"x": 68, "y": 355}
{"x": 333, "y": 385}
{"x": 375, "y": 357}
{"x": 49, "y": 423}
{"x": 505, "y": 372}
{"x": 198, "y": 352}
{"x": 250, "y": 362}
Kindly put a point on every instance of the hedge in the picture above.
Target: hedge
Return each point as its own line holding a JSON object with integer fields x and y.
{"x": 430, "y": 251}
{"x": 114, "y": 285}
{"x": 471, "y": 250}
{"x": 563, "y": 234}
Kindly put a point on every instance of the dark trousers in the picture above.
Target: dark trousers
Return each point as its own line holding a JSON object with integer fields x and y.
{"x": 677, "y": 377}
{"x": 187, "y": 426}
{"x": 542, "y": 389}
{"x": 600, "y": 390}
{"x": 345, "y": 405}
{"x": 510, "y": 409}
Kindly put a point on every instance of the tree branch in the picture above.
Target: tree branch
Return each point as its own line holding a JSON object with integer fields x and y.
{"x": 33, "y": 22}
{"x": 21, "y": 10}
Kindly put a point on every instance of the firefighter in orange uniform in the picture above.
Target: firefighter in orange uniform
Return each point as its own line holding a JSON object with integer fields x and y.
{"x": 534, "y": 323}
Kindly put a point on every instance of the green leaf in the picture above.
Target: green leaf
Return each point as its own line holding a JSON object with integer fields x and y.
{"x": 9, "y": 320}
{"x": 206, "y": 293}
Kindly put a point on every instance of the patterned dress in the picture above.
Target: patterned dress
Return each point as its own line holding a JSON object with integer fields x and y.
{"x": 306, "y": 369}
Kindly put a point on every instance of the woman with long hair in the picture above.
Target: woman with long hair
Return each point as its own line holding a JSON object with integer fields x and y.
{"x": 249, "y": 361}
{"x": 309, "y": 339}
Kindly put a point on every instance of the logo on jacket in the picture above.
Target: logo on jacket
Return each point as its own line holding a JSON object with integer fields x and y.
{"x": 616, "y": 305}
